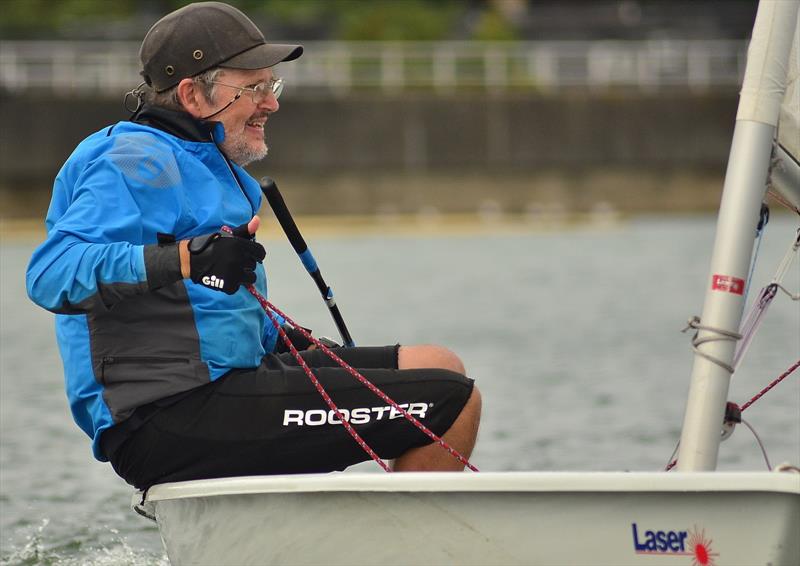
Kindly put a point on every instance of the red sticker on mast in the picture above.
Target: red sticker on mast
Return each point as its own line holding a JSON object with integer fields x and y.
{"x": 728, "y": 284}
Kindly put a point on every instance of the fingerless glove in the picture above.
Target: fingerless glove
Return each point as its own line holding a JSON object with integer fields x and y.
{"x": 223, "y": 261}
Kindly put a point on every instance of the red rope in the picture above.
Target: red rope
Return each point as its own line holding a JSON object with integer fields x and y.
{"x": 774, "y": 382}
{"x": 755, "y": 398}
{"x": 271, "y": 310}
{"x": 327, "y": 398}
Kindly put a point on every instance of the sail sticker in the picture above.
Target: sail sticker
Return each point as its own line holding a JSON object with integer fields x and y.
{"x": 666, "y": 542}
{"x": 728, "y": 284}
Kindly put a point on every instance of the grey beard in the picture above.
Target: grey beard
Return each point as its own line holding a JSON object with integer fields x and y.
{"x": 242, "y": 155}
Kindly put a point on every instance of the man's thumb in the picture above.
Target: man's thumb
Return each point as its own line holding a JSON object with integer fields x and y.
{"x": 247, "y": 230}
{"x": 253, "y": 225}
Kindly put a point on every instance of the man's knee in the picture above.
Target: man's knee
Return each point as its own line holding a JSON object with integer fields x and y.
{"x": 429, "y": 356}
{"x": 472, "y": 408}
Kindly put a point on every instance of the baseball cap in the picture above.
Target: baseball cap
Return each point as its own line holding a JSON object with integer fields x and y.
{"x": 203, "y": 35}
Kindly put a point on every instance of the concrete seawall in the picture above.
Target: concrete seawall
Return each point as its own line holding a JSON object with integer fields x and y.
{"x": 365, "y": 153}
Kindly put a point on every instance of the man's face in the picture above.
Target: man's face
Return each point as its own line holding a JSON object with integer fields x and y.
{"x": 244, "y": 121}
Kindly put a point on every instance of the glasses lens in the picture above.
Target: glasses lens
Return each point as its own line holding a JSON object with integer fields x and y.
{"x": 277, "y": 87}
{"x": 262, "y": 90}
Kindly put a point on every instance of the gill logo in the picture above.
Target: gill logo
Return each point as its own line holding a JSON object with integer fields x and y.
{"x": 213, "y": 281}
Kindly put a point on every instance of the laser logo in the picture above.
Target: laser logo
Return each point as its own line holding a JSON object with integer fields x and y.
{"x": 667, "y": 542}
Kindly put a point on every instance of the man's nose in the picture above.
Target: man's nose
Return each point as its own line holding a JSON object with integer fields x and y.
{"x": 269, "y": 103}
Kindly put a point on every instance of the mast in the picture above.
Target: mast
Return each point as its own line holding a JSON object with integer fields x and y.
{"x": 743, "y": 191}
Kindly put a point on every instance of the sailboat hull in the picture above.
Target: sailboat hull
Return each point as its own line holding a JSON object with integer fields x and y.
{"x": 482, "y": 519}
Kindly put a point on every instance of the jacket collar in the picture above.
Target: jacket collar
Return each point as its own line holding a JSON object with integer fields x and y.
{"x": 179, "y": 124}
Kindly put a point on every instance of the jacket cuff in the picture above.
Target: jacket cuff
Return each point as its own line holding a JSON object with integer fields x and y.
{"x": 162, "y": 264}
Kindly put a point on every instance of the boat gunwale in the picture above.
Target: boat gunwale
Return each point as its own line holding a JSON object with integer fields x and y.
{"x": 452, "y": 482}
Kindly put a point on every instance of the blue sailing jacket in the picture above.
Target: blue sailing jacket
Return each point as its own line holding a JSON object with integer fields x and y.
{"x": 129, "y": 329}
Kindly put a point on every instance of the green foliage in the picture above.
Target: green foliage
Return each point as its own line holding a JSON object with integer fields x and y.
{"x": 33, "y": 18}
{"x": 396, "y": 20}
{"x": 26, "y": 14}
{"x": 297, "y": 12}
{"x": 343, "y": 19}
{"x": 493, "y": 26}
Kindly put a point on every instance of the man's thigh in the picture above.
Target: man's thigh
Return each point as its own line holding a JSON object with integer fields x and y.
{"x": 273, "y": 421}
{"x": 267, "y": 404}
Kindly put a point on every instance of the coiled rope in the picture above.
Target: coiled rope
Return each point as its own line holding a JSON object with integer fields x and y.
{"x": 717, "y": 335}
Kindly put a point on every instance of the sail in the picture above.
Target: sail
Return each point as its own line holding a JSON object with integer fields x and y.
{"x": 789, "y": 121}
{"x": 785, "y": 177}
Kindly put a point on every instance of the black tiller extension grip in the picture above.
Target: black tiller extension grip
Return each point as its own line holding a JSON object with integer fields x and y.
{"x": 275, "y": 199}
{"x": 278, "y": 205}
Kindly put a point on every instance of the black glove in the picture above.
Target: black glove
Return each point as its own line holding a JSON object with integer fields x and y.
{"x": 299, "y": 341}
{"x": 224, "y": 261}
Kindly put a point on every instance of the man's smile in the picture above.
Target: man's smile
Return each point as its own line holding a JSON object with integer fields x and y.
{"x": 257, "y": 123}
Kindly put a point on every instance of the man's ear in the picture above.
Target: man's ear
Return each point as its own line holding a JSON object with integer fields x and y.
{"x": 190, "y": 97}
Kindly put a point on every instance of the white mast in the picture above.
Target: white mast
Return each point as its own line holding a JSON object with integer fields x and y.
{"x": 744, "y": 189}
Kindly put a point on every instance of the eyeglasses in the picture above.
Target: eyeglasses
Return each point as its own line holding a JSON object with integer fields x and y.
{"x": 260, "y": 92}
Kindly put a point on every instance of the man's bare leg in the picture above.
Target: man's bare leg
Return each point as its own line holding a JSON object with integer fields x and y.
{"x": 464, "y": 431}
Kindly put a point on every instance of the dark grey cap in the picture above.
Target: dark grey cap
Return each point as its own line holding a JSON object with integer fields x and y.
{"x": 203, "y": 35}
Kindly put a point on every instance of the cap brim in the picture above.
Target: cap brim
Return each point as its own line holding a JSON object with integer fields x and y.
{"x": 263, "y": 56}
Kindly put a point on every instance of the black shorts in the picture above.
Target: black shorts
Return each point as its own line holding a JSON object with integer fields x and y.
{"x": 271, "y": 419}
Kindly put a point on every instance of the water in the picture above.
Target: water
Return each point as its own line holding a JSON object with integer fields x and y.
{"x": 573, "y": 337}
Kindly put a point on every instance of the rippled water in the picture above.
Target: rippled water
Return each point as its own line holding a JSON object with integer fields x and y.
{"x": 573, "y": 337}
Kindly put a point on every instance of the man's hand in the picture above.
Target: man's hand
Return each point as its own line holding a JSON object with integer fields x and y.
{"x": 223, "y": 261}
{"x": 297, "y": 339}
{"x": 300, "y": 342}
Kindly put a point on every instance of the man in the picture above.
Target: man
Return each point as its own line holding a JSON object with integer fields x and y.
{"x": 172, "y": 367}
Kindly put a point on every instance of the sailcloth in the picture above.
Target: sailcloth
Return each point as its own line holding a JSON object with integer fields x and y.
{"x": 784, "y": 182}
{"x": 789, "y": 121}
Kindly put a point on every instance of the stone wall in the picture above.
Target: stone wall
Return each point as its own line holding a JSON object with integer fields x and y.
{"x": 360, "y": 154}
